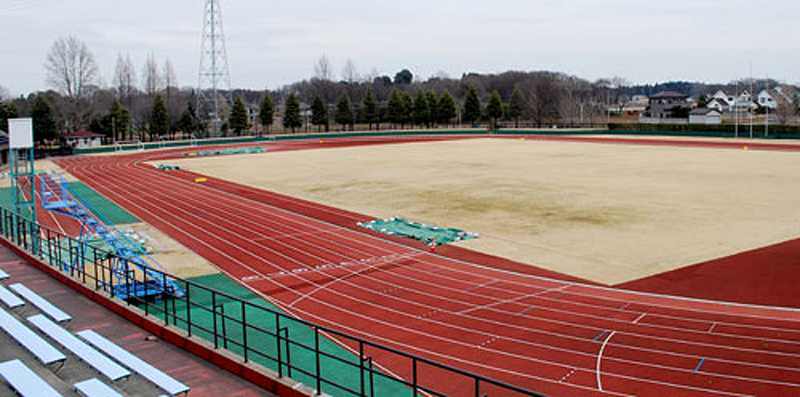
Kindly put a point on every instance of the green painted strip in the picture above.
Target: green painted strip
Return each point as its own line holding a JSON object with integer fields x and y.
{"x": 105, "y": 209}
{"x": 338, "y": 365}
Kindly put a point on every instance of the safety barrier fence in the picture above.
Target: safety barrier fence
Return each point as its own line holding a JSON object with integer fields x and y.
{"x": 290, "y": 347}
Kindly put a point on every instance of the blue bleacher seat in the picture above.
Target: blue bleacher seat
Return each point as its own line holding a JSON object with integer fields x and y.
{"x": 9, "y": 299}
{"x": 41, "y": 303}
{"x": 43, "y": 351}
{"x": 153, "y": 374}
{"x": 24, "y": 381}
{"x": 95, "y": 388}
{"x": 89, "y": 355}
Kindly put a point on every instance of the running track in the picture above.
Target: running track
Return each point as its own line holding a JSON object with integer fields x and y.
{"x": 558, "y": 337}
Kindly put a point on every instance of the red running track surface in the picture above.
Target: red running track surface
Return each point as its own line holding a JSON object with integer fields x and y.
{"x": 555, "y": 336}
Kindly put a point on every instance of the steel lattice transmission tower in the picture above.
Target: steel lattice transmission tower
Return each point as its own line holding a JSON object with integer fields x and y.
{"x": 214, "y": 72}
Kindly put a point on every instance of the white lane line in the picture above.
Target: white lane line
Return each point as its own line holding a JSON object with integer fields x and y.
{"x": 600, "y": 359}
{"x": 639, "y": 318}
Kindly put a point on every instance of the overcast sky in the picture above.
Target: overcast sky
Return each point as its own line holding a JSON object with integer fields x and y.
{"x": 274, "y": 42}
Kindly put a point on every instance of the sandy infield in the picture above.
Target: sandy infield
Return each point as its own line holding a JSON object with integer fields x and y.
{"x": 608, "y": 213}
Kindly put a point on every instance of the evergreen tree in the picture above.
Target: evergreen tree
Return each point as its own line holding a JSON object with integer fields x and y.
{"x": 370, "y": 108}
{"x": 494, "y": 110}
{"x": 344, "y": 112}
{"x": 472, "y": 106}
{"x": 422, "y": 112}
{"x": 120, "y": 120}
{"x": 7, "y": 111}
{"x": 291, "y": 115}
{"x": 433, "y": 108}
{"x": 408, "y": 107}
{"x": 159, "y": 119}
{"x": 266, "y": 113}
{"x": 516, "y": 107}
{"x": 319, "y": 113}
{"x": 44, "y": 124}
{"x": 239, "y": 120}
{"x": 446, "y": 110}
{"x": 394, "y": 110}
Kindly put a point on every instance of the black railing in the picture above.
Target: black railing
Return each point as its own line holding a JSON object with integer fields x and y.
{"x": 291, "y": 347}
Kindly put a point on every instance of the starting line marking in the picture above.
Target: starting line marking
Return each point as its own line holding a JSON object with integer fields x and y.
{"x": 639, "y": 318}
{"x": 699, "y": 365}
{"x": 370, "y": 262}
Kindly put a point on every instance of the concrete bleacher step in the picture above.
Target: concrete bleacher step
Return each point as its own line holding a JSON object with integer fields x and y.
{"x": 24, "y": 336}
{"x": 24, "y": 381}
{"x": 9, "y": 299}
{"x": 41, "y": 303}
{"x": 95, "y": 388}
{"x": 83, "y": 351}
{"x": 153, "y": 374}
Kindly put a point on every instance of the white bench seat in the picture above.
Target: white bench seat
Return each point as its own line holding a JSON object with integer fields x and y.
{"x": 3, "y": 275}
{"x": 43, "y": 351}
{"x": 95, "y": 388}
{"x": 88, "y": 354}
{"x": 24, "y": 381}
{"x": 153, "y": 374}
{"x": 41, "y": 303}
{"x": 9, "y": 299}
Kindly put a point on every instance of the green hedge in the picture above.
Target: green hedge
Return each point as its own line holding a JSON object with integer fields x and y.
{"x": 716, "y": 131}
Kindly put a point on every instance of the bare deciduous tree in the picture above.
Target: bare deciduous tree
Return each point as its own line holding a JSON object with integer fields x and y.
{"x": 350, "y": 72}
{"x": 71, "y": 67}
{"x": 170, "y": 87}
{"x": 151, "y": 77}
{"x": 323, "y": 69}
{"x": 3, "y": 93}
{"x": 125, "y": 78}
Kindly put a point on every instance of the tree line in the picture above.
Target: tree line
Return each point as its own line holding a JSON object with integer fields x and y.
{"x": 147, "y": 103}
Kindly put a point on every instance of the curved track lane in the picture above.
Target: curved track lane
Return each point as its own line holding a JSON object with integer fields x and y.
{"x": 562, "y": 338}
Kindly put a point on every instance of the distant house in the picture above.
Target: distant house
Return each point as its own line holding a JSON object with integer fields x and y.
{"x": 668, "y": 104}
{"x": 705, "y": 116}
{"x": 772, "y": 98}
{"x": 82, "y": 139}
{"x": 720, "y": 104}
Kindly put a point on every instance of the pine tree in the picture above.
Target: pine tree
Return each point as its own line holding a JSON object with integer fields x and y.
{"x": 408, "y": 107}
{"x": 395, "y": 110}
{"x": 472, "y": 106}
{"x": 494, "y": 110}
{"x": 159, "y": 119}
{"x": 516, "y": 106}
{"x": 120, "y": 120}
{"x": 44, "y": 124}
{"x": 344, "y": 112}
{"x": 422, "y": 112}
{"x": 319, "y": 113}
{"x": 266, "y": 112}
{"x": 239, "y": 120}
{"x": 370, "y": 109}
{"x": 433, "y": 108}
{"x": 7, "y": 111}
{"x": 446, "y": 109}
{"x": 291, "y": 115}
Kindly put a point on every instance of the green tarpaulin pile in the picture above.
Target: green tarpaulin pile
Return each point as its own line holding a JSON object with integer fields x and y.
{"x": 426, "y": 233}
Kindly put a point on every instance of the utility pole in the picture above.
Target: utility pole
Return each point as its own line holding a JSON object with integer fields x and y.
{"x": 214, "y": 71}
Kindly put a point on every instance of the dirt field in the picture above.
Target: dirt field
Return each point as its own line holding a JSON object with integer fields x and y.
{"x": 608, "y": 213}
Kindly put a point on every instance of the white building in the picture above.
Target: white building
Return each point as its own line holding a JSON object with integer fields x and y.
{"x": 705, "y": 116}
{"x": 82, "y": 139}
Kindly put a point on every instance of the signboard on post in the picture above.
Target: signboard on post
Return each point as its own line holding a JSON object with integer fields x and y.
{"x": 20, "y": 133}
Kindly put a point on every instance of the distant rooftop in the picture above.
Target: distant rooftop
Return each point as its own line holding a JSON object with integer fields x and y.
{"x": 669, "y": 94}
